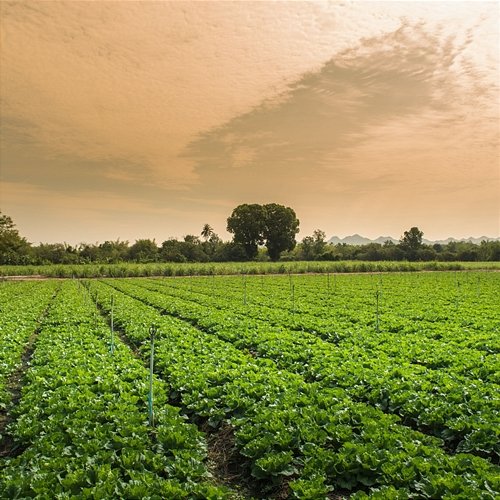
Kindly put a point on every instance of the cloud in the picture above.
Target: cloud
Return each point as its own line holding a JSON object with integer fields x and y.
{"x": 134, "y": 82}
{"x": 386, "y": 82}
{"x": 408, "y": 111}
{"x": 199, "y": 106}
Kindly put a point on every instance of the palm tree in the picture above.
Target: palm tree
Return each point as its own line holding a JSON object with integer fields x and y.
{"x": 207, "y": 231}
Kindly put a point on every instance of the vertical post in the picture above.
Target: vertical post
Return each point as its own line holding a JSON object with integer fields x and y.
{"x": 95, "y": 309}
{"x": 112, "y": 345}
{"x": 152, "y": 332}
{"x": 378, "y": 318}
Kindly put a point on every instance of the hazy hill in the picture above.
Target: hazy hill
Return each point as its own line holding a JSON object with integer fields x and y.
{"x": 357, "y": 239}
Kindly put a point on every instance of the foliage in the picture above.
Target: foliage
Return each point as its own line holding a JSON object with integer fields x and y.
{"x": 222, "y": 266}
{"x": 272, "y": 224}
{"x": 313, "y": 247}
{"x": 82, "y": 420}
{"x": 247, "y": 224}
{"x": 143, "y": 251}
{"x": 207, "y": 232}
{"x": 280, "y": 227}
{"x": 382, "y": 385}
{"x": 326, "y": 402}
{"x": 14, "y": 249}
{"x": 22, "y": 305}
{"x": 411, "y": 242}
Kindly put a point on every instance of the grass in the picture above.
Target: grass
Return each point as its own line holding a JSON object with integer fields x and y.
{"x": 229, "y": 268}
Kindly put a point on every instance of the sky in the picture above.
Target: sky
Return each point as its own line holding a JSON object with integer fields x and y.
{"x": 139, "y": 119}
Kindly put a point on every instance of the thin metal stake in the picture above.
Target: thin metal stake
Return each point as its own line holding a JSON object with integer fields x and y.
{"x": 152, "y": 332}
{"x": 112, "y": 346}
{"x": 95, "y": 310}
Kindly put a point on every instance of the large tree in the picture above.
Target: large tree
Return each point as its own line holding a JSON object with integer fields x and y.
{"x": 272, "y": 224}
{"x": 246, "y": 223}
{"x": 280, "y": 227}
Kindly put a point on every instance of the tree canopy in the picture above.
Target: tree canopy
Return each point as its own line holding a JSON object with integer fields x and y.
{"x": 272, "y": 224}
{"x": 246, "y": 223}
{"x": 280, "y": 227}
{"x": 143, "y": 251}
{"x": 14, "y": 249}
{"x": 207, "y": 232}
{"x": 411, "y": 242}
{"x": 312, "y": 247}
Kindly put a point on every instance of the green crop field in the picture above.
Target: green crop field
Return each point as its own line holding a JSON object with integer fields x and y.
{"x": 265, "y": 386}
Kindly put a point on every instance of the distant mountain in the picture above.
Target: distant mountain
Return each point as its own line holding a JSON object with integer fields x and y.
{"x": 383, "y": 239}
{"x": 476, "y": 241}
{"x": 357, "y": 239}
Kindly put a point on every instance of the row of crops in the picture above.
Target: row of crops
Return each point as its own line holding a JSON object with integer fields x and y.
{"x": 460, "y": 407}
{"x": 81, "y": 426}
{"x": 20, "y": 308}
{"x": 379, "y": 386}
{"x": 315, "y": 392}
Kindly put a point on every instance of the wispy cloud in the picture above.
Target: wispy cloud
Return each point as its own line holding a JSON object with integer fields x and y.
{"x": 407, "y": 72}
{"x": 135, "y": 81}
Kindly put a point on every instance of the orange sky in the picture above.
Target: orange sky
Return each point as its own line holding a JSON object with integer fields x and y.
{"x": 149, "y": 119}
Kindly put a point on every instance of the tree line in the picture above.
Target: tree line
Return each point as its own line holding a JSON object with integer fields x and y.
{"x": 260, "y": 232}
